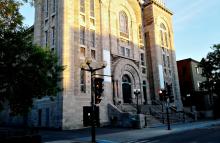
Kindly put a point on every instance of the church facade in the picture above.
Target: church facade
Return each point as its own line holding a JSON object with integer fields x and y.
{"x": 135, "y": 38}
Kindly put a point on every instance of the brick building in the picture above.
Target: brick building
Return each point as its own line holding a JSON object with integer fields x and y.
{"x": 190, "y": 81}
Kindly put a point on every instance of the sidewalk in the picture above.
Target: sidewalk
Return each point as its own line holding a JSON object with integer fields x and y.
{"x": 119, "y": 135}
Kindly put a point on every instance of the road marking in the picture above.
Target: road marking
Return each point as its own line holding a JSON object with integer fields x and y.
{"x": 136, "y": 141}
{"x": 153, "y": 141}
{"x": 145, "y": 141}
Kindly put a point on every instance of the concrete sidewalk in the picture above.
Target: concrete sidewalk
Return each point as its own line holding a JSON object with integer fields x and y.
{"x": 117, "y": 135}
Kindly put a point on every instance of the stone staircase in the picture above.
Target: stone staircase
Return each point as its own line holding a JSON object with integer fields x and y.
{"x": 158, "y": 110}
{"x": 152, "y": 115}
{"x": 150, "y": 120}
{"x": 124, "y": 119}
{"x": 130, "y": 108}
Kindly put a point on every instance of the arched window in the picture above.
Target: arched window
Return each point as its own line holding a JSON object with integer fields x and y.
{"x": 163, "y": 35}
{"x": 162, "y": 26}
{"x": 123, "y": 23}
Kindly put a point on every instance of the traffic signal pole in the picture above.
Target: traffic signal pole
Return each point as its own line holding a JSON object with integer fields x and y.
{"x": 93, "y": 131}
{"x": 168, "y": 117}
{"x": 93, "y": 106}
{"x": 167, "y": 98}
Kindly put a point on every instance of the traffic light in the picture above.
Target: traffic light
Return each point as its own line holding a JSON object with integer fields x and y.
{"x": 171, "y": 97}
{"x": 169, "y": 92}
{"x": 98, "y": 89}
{"x": 162, "y": 95}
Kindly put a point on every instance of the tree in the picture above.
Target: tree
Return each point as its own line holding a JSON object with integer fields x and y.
{"x": 27, "y": 71}
{"x": 211, "y": 70}
{"x": 10, "y": 18}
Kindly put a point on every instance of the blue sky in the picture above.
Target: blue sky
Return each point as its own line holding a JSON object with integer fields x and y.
{"x": 196, "y": 25}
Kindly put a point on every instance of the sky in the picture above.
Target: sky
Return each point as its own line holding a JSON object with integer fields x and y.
{"x": 196, "y": 25}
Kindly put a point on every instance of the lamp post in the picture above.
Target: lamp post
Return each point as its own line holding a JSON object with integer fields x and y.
{"x": 190, "y": 101}
{"x": 162, "y": 98}
{"x": 93, "y": 106}
{"x": 136, "y": 93}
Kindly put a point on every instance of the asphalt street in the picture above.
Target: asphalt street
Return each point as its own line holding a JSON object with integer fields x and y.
{"x": 204, "y": 135}
{"x": 195, "y": 132}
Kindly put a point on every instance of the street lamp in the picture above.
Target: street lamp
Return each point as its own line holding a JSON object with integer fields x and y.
{"x": 92, "y": 71}
{"x": 190, "y": 101}
{"x": 136, "y": 93}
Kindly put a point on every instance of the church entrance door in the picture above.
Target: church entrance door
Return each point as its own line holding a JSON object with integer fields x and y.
{"x": 126, "y": 89}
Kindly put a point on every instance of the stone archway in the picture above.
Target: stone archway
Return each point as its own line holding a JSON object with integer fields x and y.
{"x": 126, "y": 75}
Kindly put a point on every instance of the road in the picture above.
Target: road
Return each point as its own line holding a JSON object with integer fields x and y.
{"x": 204, "y": 135}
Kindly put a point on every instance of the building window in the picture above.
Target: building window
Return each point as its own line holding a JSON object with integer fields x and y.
{"x": 92, "y": 8}
{"x": 92, "y": 38}
{"x": 145, "y": 91}
{"x": 165, "y": 71}
{"x": 82, "y": 35}
{"x": 53, "y": 36}
{"x": 163, "y": 50}
{"x": 166, "y": 40}
{"x": 143, "y": 68}
{"x": 140, "y": 34}
{"x": 127, "y": 52}
{"x": 197, "y": 70}
{"x": 46, "y": 22}
{"x": 123, "y": 21}
{"x": 54, "y": 6}
{"x": 82, "y": 52}
{"x": 46, "y": 8}
{"x": 93, "y": 54}
{"x": 82, "y": 19}
{"x": 82, "y": 81}
{"x": 46, "y": 38}
{"x": 168, "y": 61}
{"x": 142, "y": 59}
{"x": 82, "y": 6}
{"x": 92, "y": 22}
{"x": 123, "y": 51}
{"x": 164, "y": 60}
{"x": 163, "y": 35}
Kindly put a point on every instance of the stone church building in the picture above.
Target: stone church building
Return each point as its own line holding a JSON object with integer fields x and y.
{"x": 134, "y": 37}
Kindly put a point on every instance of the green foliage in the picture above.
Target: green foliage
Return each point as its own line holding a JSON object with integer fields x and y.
{"x": 27, "y": 71}
{"x": 10, "y": 18}
{"x": 211, "y": 70}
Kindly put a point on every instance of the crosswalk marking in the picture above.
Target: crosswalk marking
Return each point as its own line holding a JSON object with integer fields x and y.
{"x": 153, "y": 141}
{"x": 143, "y": 141}
{"x": 136, "y": 141}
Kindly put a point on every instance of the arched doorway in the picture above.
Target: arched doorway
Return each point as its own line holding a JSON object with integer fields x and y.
{"x": 126, "y": 89}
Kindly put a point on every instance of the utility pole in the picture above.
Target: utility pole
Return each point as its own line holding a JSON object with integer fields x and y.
{"x": 168, "y": 117}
